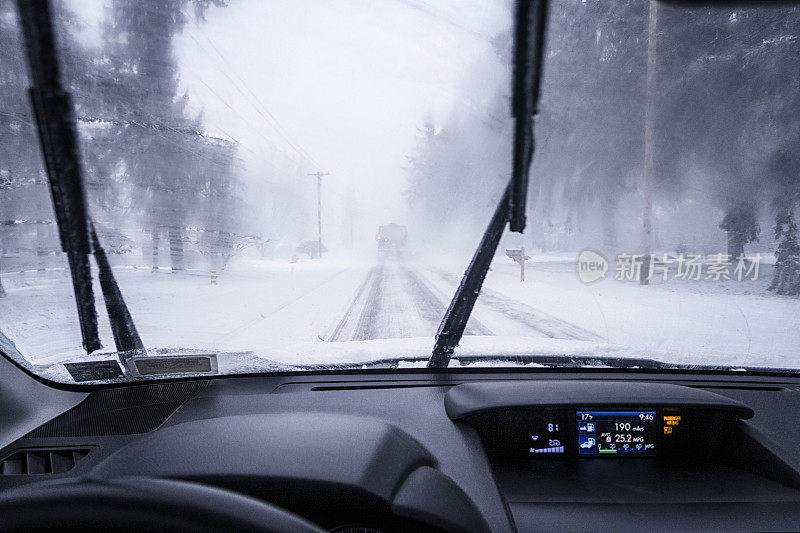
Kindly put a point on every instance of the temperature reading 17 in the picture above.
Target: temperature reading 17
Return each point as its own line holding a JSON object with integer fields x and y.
{"x": 586, "y": 416}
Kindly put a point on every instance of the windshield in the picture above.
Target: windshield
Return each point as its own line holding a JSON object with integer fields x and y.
{"x": 293, "y": 185}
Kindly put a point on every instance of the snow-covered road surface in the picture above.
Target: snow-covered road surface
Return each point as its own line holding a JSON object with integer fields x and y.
{"x": 357, "y": 309}
{"x": 394, "y": 301}
{"x": 536, "y": 320}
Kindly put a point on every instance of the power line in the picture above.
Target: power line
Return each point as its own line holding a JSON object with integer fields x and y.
{"x": 235, "y": 112}
{"x": 275, "y": 123}
{"x": 153, "y": 126}
{"x": 227, "y": 104}
{"x": 218, "y": 96}
{"x": 446, "y": 20}
{"x": 255, "y": 101}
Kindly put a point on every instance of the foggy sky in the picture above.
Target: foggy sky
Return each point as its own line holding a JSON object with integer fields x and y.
{"x": 339, "y": 86}
{"x": 347, "y": 81}
{"x": 342, "y": 86}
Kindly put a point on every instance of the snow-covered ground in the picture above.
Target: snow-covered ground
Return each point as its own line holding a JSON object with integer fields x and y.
{"x": 345, "y": 310}
{"x": 254, "y": 305}
{"x": 706, "y": 322}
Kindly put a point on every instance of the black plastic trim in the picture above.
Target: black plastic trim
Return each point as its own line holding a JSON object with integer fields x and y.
{"x": 476, "y": 398}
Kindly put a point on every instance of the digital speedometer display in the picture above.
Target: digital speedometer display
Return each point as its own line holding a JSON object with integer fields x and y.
{"x": 617, "y": 433}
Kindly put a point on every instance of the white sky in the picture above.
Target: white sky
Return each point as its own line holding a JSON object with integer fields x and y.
{"x": 347, "y": 81}
{"x": 335, "y": 85}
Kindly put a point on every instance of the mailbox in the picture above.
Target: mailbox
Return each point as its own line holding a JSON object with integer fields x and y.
{"x": 518, "y": 255}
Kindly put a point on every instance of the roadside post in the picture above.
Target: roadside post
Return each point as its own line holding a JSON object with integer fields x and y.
{"x": 518, "y": 255}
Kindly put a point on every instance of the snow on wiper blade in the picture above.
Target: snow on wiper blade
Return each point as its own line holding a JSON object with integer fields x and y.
{"x": 556, "y": 361}
{"x": 545, "y": 361}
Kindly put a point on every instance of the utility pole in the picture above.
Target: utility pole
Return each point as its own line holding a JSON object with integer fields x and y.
{"x": 649, "y": 125}
{"x": 319, "y": 209}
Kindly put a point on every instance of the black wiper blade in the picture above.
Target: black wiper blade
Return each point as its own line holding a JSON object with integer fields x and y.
{"x": 455, "y": 319}
{"x": 52, "y": 107}
{"x": 126, "y": 337}
{"x": 529, "y": 47}
{"x": 529, "y": 32}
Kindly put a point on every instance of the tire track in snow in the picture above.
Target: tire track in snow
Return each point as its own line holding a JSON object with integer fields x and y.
{"x": 350, "y": 316}
{"x": 537, "y": 320}
{"x": 365, "y": 329}
{"x": 394, "y": 301}
{"x": 432, "y": 307}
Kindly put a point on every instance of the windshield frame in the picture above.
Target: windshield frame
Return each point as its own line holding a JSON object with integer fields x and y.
{"x": 737, "y": 373}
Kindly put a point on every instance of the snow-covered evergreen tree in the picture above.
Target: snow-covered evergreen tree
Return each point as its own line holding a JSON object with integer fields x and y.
{"x": 742, "y": 227}
{"x": 786, "y": 278}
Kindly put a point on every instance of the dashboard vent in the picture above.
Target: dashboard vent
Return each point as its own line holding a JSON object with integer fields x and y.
{"x": 736, "y": 386}
{"x": 41, "y": 461}
{"x": 372, "y": 387}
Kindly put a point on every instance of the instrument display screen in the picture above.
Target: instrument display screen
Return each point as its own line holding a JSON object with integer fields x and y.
{"x": 616, "y": 433}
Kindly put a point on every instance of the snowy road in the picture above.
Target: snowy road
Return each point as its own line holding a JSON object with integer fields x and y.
{"x": 394, "y": 301}
{"x": 265, "y": 307}
{"x": 399, "y": 300}
{"x": 350, "y": 308}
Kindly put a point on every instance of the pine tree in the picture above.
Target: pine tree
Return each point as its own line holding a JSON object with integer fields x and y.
{"x": 24, "y": 197}
{"x": 220, "y": 203}
{"x": 786, "y": 278}
{"x": 742, "y": 227}
{"x": 784, "y": 173}
{"x": 149, "y": 133}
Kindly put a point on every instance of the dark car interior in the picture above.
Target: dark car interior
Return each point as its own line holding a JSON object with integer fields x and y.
{"x": 411, "y": 451}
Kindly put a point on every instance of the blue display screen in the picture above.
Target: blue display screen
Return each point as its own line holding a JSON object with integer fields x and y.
{"x": 617, "y": 433}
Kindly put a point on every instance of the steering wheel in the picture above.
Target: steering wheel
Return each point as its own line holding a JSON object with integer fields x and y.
{"x": 140, "y": 504}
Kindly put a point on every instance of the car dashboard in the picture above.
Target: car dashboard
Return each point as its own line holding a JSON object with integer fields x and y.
{"x": 491, "y": 450}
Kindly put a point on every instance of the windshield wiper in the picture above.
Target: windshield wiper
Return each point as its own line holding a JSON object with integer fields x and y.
{"x": 52, "y": 107}
{"x": 528, "y": 50}
{"x": 455, "y": 319}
